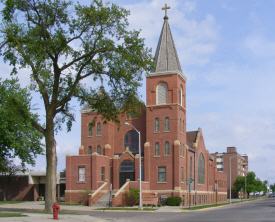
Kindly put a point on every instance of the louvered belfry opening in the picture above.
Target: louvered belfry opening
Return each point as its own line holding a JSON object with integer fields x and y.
{"x": 162, "y": 94}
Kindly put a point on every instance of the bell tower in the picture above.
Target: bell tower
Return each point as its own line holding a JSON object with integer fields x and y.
{"x": 166, "y": 110}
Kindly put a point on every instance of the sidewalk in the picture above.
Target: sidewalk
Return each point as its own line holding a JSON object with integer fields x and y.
{"x": 39, "y": 205}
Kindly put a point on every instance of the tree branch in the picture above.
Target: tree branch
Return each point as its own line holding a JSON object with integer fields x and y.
{"x": 27, "y": 117}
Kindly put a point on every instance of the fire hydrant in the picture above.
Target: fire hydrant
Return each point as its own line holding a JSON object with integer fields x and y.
{"x": 55, "y": 211}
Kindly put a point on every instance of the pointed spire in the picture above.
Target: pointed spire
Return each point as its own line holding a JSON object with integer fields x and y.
{"x": 166, "y": 57}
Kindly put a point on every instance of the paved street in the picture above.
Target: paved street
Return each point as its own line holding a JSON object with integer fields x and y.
{"x": 258, "y": 210}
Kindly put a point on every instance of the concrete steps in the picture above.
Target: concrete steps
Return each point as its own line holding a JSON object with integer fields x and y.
{"x": 104, "y": 200}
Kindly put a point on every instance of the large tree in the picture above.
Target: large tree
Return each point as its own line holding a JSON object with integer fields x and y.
{"x": 62, "y": 45}
{"x": 18, "y": 137}
{"x": 251, "y": 183}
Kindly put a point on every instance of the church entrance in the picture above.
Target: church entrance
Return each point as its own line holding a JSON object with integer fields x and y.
{"x": 126, "y": 171}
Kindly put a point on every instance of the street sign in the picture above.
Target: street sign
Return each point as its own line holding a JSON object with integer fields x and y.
{"x": 190, "y": 180}
{"x": 190, "y": 185}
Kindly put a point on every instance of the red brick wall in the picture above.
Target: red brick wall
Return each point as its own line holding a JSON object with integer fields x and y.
{"x": 19, "y": 189}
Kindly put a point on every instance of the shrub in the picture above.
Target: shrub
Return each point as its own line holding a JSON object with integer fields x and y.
{"x": 131, "y": 197}
{"x": 173, "y": 201}
{"x": 84, "y": 194}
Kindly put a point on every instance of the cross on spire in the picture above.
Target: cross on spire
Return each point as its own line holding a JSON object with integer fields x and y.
{"x": 165, "y": 8}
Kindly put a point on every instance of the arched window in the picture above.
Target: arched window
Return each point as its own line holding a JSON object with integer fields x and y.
{"x": 180, "y": 96}
{"x": 161, "y": 94}
{"x": 182, "y": 149}
{"x": 183, "y": 126}
{"x": 127, "y": 166}
{"x": 89, "y": 150}
{"x": 156, "y": 149}
{"x": 201, "y": 170}
{"x": 156, "y": 125}
{"x": 131, "y": 141}
{"x": 98, "y": 129}
{"x": 166, "y": 127}
{"x": 90, "y": 129}
{"x": 166, "y": 149}
{"x": 98, "y": 150}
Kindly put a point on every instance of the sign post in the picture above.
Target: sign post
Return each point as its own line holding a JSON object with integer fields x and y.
{"x": 189, "y": 187}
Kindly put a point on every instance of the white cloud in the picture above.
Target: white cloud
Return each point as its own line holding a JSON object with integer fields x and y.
{"x": 260, "y": 46}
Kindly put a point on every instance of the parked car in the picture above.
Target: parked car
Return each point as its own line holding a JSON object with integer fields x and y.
{"x": 271, "y": 195}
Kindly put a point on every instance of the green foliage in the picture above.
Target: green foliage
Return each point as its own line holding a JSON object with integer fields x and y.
{"x": 131, "y": 197}
{"x": 84, "y": 194}
{"x": 239, "y": 184}
{"x": 173, "y": 201}
{"x": 92, "y": 41}
{"x": 18, "y": 137}
{"x": 253, "y": 184}
{"x": 272, "y": 187}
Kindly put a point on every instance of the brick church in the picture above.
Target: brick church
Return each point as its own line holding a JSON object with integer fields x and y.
{"x": 108, "y": 159}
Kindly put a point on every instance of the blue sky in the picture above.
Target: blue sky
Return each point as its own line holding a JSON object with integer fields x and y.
{"x": 227, "y": 50}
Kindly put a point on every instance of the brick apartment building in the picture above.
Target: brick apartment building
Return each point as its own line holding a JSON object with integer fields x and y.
{"x": 239, "y": 166}
{"x": 169, "y": 154}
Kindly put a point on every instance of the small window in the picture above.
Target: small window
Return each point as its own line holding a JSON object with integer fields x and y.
{"x": 156, "y": 125}
{"x": 180, "y": 96}
{"x": 98, "y": 129}
{"x": 81, "y": 174}
{"x": 90, "y": 129}
{"x": 183, "y": 126}
{"x": 102, "y": 174}
{"x": 190, "y": 172}
{"x": 166, "y": 149}
{"x": 182, "y": 149}
{"x": 181, "y": 173}
{"x": 162, "y": 174}
{"x": 156, "y": 149}
{"x": 166, "y": 127}
{"x": 180, "y": 125}
{"x": 98, "y": 150}
{"x": 89, "y": 150}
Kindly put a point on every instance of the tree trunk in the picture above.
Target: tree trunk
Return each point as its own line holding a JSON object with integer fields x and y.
{"x": 50, "y": 194}
{"x": 4, "y": 194}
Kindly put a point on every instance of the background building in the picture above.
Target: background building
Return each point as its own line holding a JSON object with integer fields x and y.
{"x": 239, "y": 166}
{"x": 29, "y": 186}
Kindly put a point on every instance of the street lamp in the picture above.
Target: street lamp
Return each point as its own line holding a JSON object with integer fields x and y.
{"x": 139, "y": 160}
{"x": 230, "y": 174}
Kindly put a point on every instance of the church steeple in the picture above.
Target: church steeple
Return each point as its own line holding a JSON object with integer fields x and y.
{"x": 166, "y": 57}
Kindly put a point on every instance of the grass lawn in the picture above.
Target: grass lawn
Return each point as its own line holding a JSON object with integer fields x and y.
{"x": 11, "y": 202}
{"x": 126, "y": 208}
{"x": 11, "y": 214}
{"x": 69, "y": 204}
{"x": 66, "y": 204}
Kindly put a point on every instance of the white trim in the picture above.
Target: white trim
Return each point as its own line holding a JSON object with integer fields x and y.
{"x": 167, "y": 73}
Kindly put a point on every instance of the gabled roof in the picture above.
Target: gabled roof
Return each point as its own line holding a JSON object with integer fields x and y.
{"x": 191, "y": 138}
